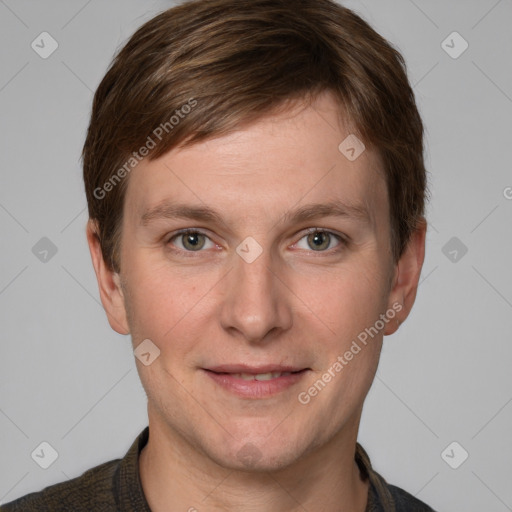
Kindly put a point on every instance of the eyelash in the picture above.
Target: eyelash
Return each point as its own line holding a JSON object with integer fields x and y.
{"x": 341, "y": 239}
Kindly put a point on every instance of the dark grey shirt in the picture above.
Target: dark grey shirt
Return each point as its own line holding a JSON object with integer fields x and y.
{"x": 115, "y": 486}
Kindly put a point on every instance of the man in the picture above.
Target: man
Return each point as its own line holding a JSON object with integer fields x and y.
{"x": 255, "y": 181}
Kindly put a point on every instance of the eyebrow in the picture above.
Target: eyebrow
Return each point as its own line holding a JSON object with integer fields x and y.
{"x": 170, "y": 210}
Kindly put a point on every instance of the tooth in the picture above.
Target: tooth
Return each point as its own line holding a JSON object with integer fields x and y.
{"x": 266, "y": 376}
{"x": 260, "y": 376}
{"x": 245, "y": 376}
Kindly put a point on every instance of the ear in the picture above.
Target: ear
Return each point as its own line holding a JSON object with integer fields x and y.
{"x": 406, "y": 277}
{"x": 109, "y": 283}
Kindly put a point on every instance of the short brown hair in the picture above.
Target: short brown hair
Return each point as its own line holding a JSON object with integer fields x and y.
{"x": 231, "y": 62}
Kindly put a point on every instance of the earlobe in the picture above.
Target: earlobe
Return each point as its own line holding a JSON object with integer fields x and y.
{"x": 109, "y": 283}
{"x": 406, "y": 278}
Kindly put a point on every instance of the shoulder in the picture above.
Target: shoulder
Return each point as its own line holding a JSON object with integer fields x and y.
{"x": 405, "y": 502}
{"x": 90, "y": 491}
{"x": 382, "y": 496}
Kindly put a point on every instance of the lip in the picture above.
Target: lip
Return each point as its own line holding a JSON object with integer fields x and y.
{"x": 256, "y": 389}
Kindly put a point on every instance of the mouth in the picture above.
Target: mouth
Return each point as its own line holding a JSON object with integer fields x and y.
{"x": 262, "y": 376}
{"x": 255, "y": 382}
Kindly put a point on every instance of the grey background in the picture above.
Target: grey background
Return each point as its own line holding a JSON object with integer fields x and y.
{"x": 66, "y": 378}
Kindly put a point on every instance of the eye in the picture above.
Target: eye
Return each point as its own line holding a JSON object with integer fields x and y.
{"x": 191, "y": 240}
{"x": 319, "y": 240}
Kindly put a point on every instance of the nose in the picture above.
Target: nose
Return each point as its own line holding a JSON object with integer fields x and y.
{"x": 257, "y": 304}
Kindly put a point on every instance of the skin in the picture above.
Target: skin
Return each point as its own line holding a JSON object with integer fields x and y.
{"x": 295, "y": 304}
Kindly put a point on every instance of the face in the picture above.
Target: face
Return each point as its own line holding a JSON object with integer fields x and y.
{"x": 285, "y": 264}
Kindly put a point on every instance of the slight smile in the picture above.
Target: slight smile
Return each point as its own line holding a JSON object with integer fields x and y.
{"x": 255, "y": 382}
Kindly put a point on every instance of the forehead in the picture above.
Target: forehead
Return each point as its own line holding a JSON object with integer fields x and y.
{"x": 302, "y": 155}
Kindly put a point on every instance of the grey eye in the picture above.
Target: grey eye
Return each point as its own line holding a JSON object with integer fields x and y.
{"x": 191, "y": 241}
{"x": 319, "y": 241}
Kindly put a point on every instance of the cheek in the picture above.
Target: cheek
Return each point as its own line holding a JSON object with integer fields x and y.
{"x": 351, "y": 351}
{"x": 165, "y": 304}
{"x": 347, "y": 300}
